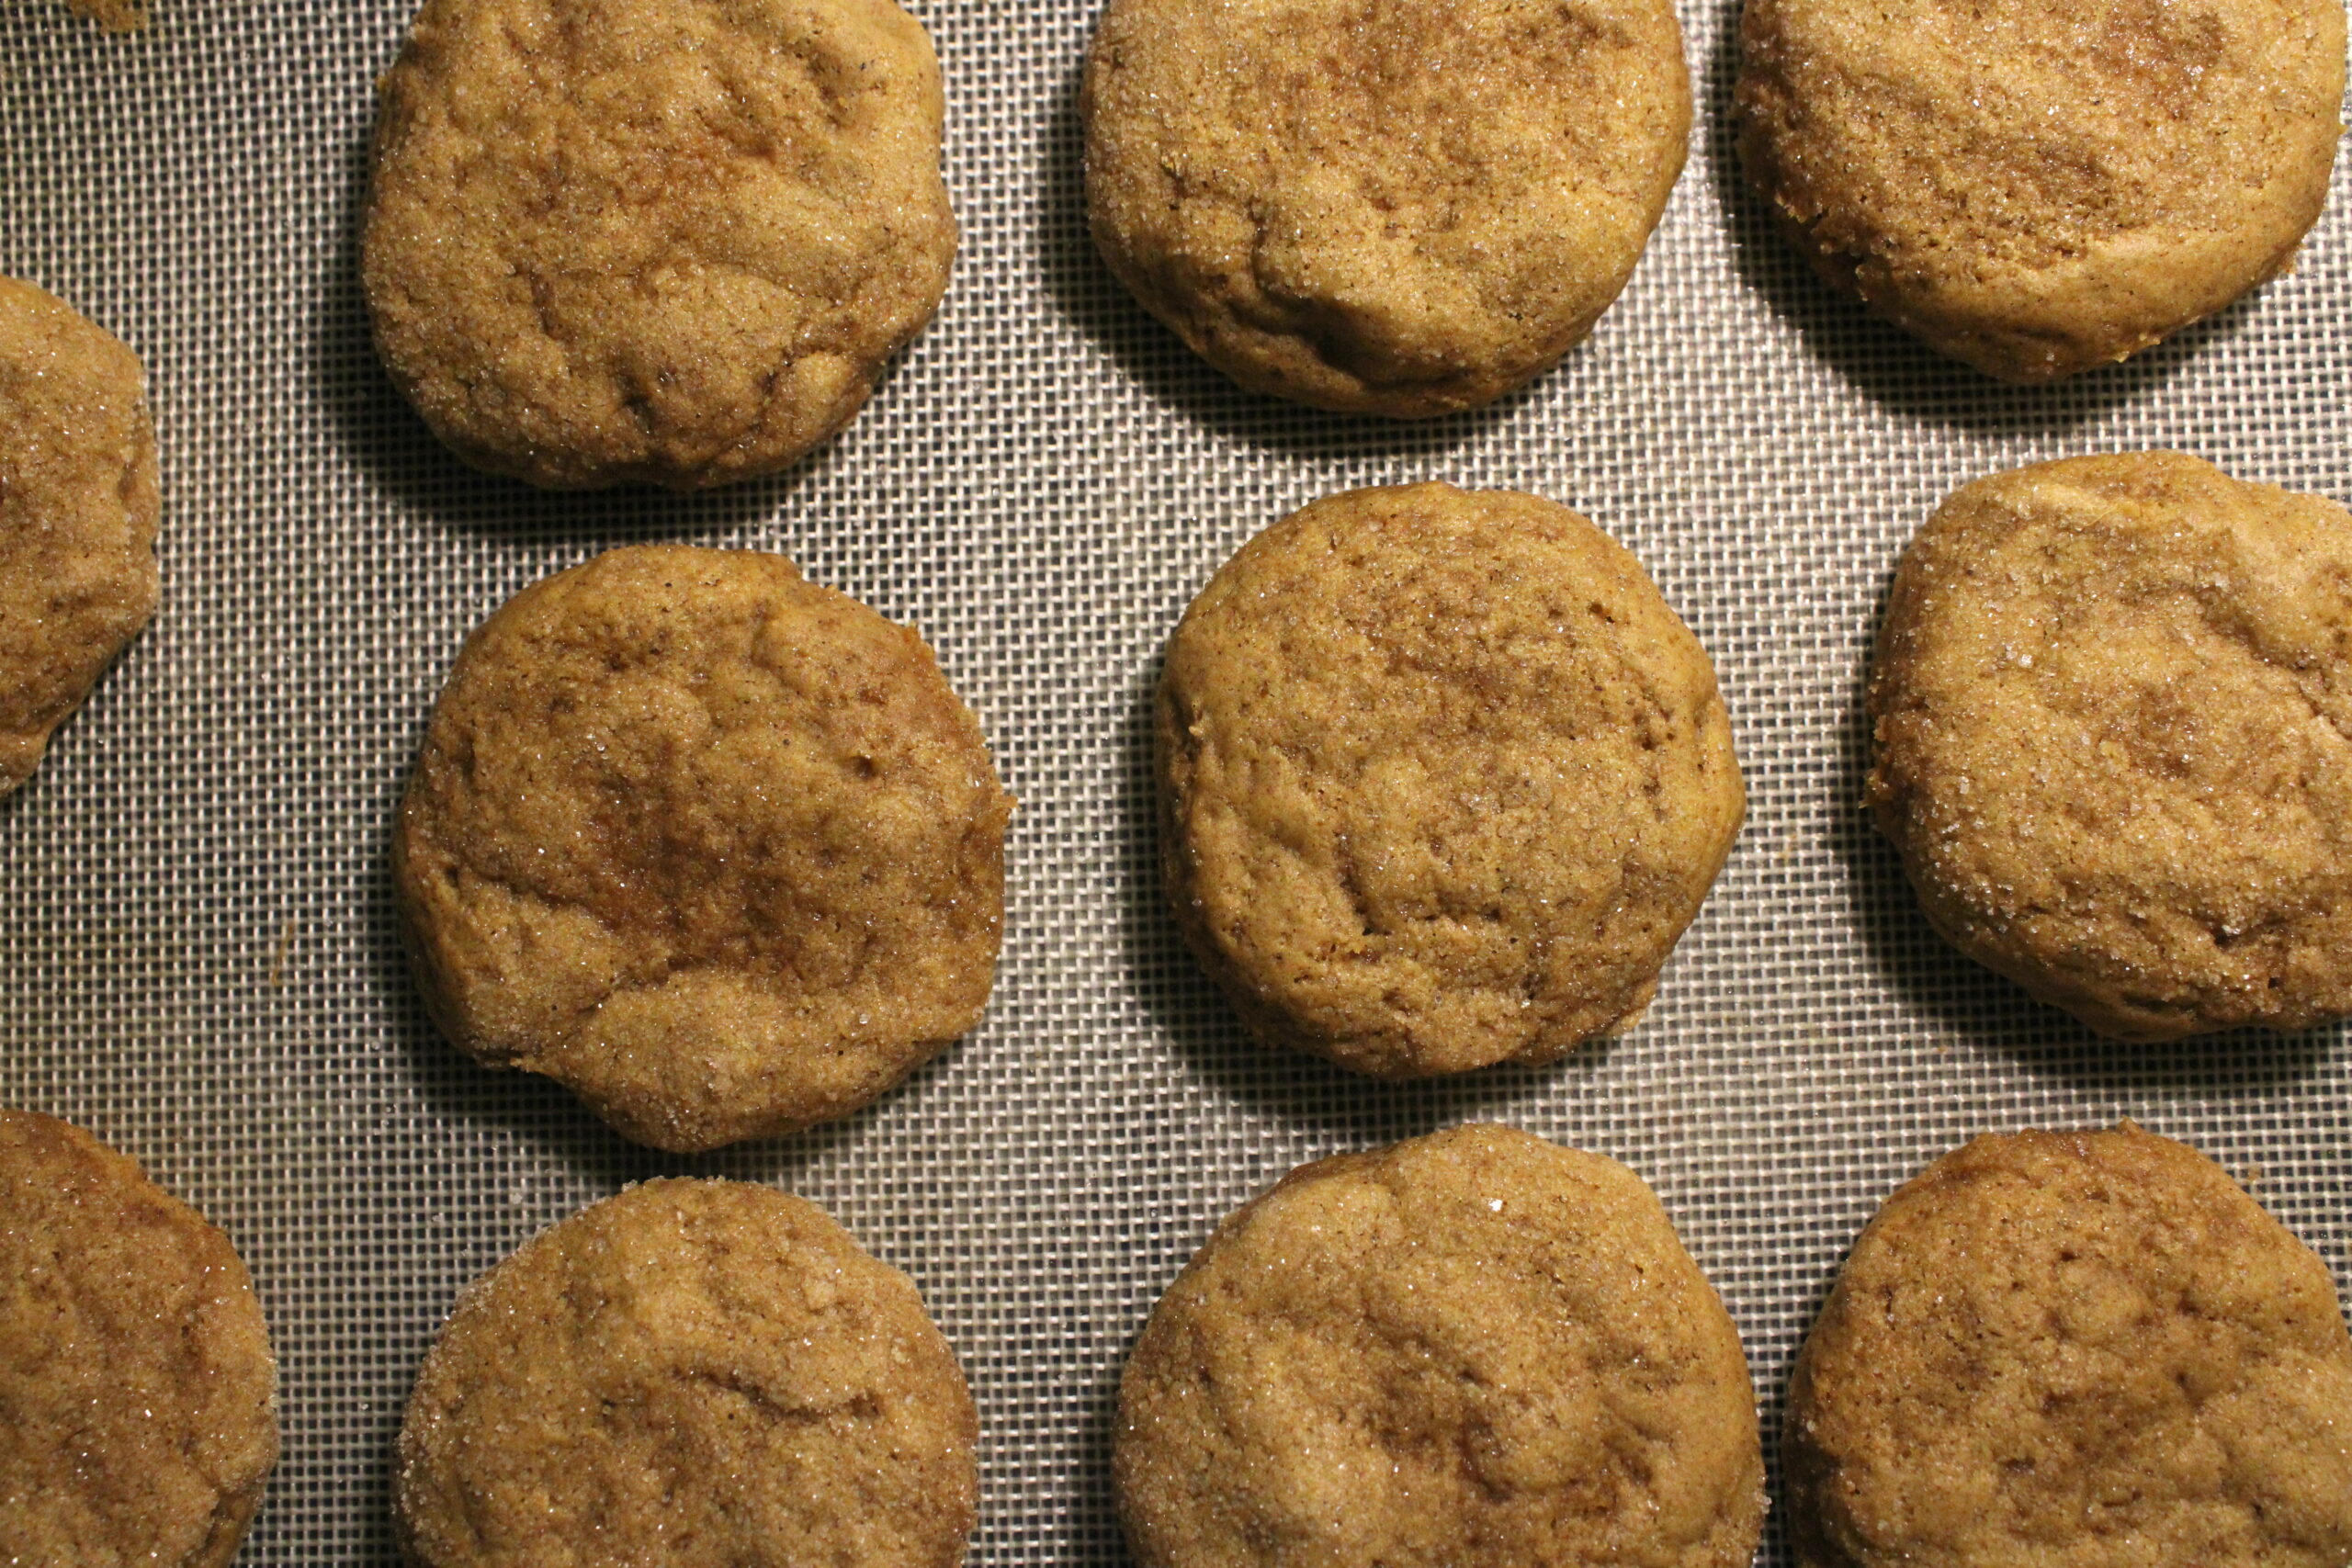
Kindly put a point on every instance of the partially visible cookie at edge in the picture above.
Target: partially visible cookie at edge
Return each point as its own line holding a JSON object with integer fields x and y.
{"x": 136, "y": 1379}
{"x": 2113, "y": 708}
{"x": 697, "y": 1374}
{"x": 2041, "y": 186}
{"x": 1474, "y": 1349}
{"x": 115, "y": 15}
{"x": 1444, "y": 780}
{"x": 1399, "y": 207}
{"x": 624, "y": 240}
{"x": 2082, "y": 1347}
{"x": 713, "y": 847}
{"x": 78, "y": 508}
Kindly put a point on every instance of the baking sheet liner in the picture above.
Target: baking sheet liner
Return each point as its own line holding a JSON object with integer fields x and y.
{"x": 198, "y": 959}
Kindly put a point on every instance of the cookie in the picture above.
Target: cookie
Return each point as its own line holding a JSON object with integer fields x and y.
{"x": 78, "y": 507}
{"x": 1474, "y": 1349}
{"x": 138, "y": 1409}
{"x": 2112, "y": 697}
{"x": 2040, "y": 186}
{"x": 712, "y": 846}
{"x": 2088, "y": 1348}
{"x": 1394, "y": 207}
{"x": 700, "y": 1374}
{"x": 1443, "y": 781}
{"x": 630, "y": 240}
{"x": 115, "y": 15}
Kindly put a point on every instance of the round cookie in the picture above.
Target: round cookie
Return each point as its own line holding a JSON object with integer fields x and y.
{"x": 693, "y": 1374}
{"x": 1444, "y": 779}
{"x": 2112, "y": 697}
{"x": 2088, "y": 1348}
{"x": 616, "y": 241}
{"x": 138, "y": 1409}
{"x": 2040, "y": 186}
{"x": 1474, "y": 1349}
{"x": 1394, "y": 207}
{"x": 713, "y": 847}
{"x": 78, "y": 506}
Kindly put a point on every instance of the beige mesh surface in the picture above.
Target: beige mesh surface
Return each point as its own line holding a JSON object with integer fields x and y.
{"x": 198, "y": 954}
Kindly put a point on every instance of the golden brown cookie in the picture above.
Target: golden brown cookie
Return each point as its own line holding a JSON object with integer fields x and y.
{"x": 617, "y": 240}
{"x": 2038, "y": 187}
{"x": 1471, "y": 1351}
{"x": 1396, "y": 207}
{"x": 694, "y": 1374}
{"x": 115, "y": 15}
{"x": 2087, "y": 1349}
{"x": 138, "y": 1410}
{"x": 713, "y": 847}
{"x": 1444, "y": 780}
{"x": 2112, "y": 698}
{"x": 78, "y": 505}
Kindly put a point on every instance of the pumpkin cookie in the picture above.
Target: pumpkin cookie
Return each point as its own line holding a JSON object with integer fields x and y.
{"x": 2038, "y": 187}
{"x": 2112, "y": 699}
{"x": 1471, "y": 1351}
{"x": 1444, "y": 780}
{"x": 713, "y": 847}
{"x": 699, "y": 1374}
{"x": 78, "y": 506}
{"x": 115, "y": 15}
{"x": 138, "y": 1416}
{"x": 616, "y": 241}
{"x": 2088, "y": 1348}
{"x": 1396, "y": 207}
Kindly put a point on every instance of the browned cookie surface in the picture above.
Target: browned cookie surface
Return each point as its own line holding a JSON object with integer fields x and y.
{"x": 138, "y": 1422}
{"x": 115, "y": 15}
{"x": 713, "y": 846}
{"x": 1398, "y": 206}
{"x": 2074, "y": 1351}
{"x": 2038, "y": 187}
{"x": 78, "y": 506}
{"x": 693, "y": 1374}
{"x": 1471, "y": 1351}
{"x": 1444, "y": 780}
{"x": 2112, "y": 698}
{"x": 613, "y": 240}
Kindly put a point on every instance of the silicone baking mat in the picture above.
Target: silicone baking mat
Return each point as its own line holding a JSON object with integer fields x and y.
{"x": 198, "y": 954}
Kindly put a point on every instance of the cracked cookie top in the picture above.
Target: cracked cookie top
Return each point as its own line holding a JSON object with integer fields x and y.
{"x": 1444, "y": 780}
{"x": 698, "y": 1374}
{"x": 2084, "y": 1348}
{"x": 1396, "y": 207}
{"x": 713, "y": 847}
{"x": 2112, "y": 698}
{"x": 2040, "y": 186}
{"x": 1474, "y": 1349}
{"x": 138, "y": 1410}
{"x": 78, "y": 509}
{"x": 669, "y": 242}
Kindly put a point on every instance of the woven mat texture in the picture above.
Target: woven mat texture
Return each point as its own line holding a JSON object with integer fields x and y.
{"x": 198, "y": 953}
